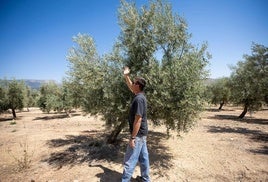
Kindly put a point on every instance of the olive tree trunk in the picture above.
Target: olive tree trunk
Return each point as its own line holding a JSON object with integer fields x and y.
{"x": 14, "y": 114}
{"x": 244, "y": 112}
{"x": 112, "y": 138}
{"x": 221, "y": 105}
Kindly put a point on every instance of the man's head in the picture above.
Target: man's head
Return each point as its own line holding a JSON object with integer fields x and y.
{"x": 139, "y": 81}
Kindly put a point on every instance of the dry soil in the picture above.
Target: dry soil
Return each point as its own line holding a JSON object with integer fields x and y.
{"x": 53, "y": 147}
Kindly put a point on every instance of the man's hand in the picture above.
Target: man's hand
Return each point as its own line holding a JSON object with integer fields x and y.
{"x": 128, "y": 81}
{"x": 132, "y": 143}
{"x": 126, "y": 70}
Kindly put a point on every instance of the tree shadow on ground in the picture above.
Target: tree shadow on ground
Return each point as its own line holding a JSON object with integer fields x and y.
{"x": 254, "y": 135}
{"x": 91, "y": 146}
{"x": 249, "y": 120}
{"x": 263, "y": 150}
{"x": 56, "y": 116}
{"x": 217, "y": 110}
{"x": 10, "y": 118}
{"x": 6, "y": 119}
{"x": 212, "y": 110}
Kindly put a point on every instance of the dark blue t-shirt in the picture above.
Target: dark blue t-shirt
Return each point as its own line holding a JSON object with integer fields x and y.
{"x": 139, "y": 107}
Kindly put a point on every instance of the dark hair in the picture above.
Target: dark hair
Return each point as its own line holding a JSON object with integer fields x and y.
{"x": 141, "y": 82}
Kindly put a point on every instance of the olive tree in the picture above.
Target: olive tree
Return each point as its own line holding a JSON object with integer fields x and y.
{"x": 175, "y": 78}
{"x": 249, "y": 79}
{"x": 220, "y": 92}
{"x": 86, "y": 76}
{"x": 154, "y": 43}
{"x": 3, "y": 99}
{"x": 49, "y": 97}
{"x": 15, "y": 96}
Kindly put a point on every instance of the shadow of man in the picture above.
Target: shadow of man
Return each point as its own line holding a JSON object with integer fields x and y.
{"x": 109, "y": 175}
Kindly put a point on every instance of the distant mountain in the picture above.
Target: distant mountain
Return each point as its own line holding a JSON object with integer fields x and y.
{"x": 34, "y": 84}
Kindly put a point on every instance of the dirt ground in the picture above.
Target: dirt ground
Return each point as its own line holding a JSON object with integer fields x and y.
{"x": 40, "y": 147}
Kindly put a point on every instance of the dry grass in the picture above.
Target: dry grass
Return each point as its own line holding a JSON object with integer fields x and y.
{"x": 23, "y": 159}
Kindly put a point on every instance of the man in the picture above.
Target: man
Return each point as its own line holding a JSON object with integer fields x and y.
{"x": 137, "y": 147}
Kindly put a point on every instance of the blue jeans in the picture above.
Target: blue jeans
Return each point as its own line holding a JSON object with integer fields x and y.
{"x": 132, "y": 156}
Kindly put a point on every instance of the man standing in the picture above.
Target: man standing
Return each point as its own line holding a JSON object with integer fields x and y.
{"x": 138, "y": 126}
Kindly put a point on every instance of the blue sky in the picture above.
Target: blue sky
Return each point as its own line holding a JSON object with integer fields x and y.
{"x": 35, "y": 35}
